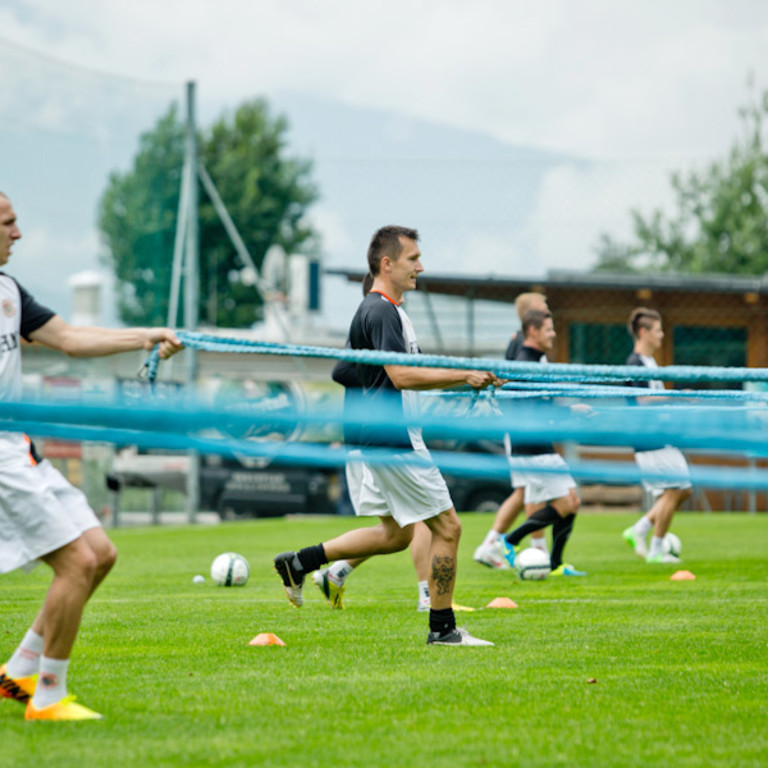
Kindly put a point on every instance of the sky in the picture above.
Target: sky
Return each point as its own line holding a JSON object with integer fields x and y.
{"x": 514, "y": 132}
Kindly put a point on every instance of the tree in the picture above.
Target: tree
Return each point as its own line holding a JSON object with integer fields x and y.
{"x": 721, "y": 223}
{"x": 266, "y": 193}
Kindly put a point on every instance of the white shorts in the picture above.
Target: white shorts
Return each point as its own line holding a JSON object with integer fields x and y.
{"x": 39, "y": 512}
{"x": 516, "y": 479}
{"x": 663, "y": 461}
{"x": 354, "y": 475}
{"x": 546, "y": 486}
{"x": 405, "y": 492}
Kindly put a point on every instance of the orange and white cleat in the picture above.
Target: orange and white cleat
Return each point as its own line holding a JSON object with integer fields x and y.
{"x": 66, "y": 709}
{"x": 17, "y": 688}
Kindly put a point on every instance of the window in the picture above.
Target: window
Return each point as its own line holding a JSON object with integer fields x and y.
{"x": 696, "y": 345}
{"x": 599, "y": 343}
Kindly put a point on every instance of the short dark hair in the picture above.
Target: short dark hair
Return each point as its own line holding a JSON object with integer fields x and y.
{"x": 534, "y": 318}
{"x": 386, "y": 242}
{"x": 367, "y": 283}
{"x": 642, "y": 317}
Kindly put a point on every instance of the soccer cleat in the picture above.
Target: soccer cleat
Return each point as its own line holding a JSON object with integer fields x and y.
{"x": 566, "y": 569}
{"x": 457, "y": 636}
{"x": 293, "y": 580}
{"x": 17, "y": 688}
{"x": 333, "y": 592}
{"x": 491, "y": 555}
{"x": 662, "y": 557}
{"x": 636, "y": 542}
{"x": 507, "y": 551}
{"x": 66, "y": 709}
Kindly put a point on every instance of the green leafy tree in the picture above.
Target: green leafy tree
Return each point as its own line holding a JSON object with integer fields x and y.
{"x": 266, "y": 193}
{"x": 721, "y": 222}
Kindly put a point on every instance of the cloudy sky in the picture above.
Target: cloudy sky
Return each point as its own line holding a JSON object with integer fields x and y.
{"x": 624, "y": 91}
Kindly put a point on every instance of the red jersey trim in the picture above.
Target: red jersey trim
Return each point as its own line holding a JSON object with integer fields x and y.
{"x": 391, "y": 300}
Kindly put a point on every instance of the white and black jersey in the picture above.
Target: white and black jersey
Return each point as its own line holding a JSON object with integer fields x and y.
{"x": 644, "y": 361}
{"x": 647, "y": 362}
{"x": 530, "y": 355}
{"x": 20, "y": 315}
{"x": 382, "y": 324}
{"x": 657, "y": 459}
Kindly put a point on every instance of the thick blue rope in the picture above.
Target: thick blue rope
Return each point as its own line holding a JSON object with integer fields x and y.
{"x": 476, "y": 465}
{"x": 716, "y": 428}
{"x": 502, "y": 368}
{"x": 532, "y": 391}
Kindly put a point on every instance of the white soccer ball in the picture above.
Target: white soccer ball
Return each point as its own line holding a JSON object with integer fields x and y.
{"x": 672, "y": 544}
{"x": 532, "y": 564}
{"x": 230, "y": 570}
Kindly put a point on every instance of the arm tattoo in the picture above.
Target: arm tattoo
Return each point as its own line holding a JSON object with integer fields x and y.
{"x": 443, "y": 574}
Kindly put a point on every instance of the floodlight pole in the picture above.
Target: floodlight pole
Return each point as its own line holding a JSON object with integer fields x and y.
{"x": 192, "y": 286}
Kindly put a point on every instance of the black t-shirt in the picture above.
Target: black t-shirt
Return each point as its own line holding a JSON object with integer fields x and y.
{"x": 515, "y": 345}
{"x": 530, "y": 355}
{"x": 378, "y": 325}
{"x": 345, "y": 373}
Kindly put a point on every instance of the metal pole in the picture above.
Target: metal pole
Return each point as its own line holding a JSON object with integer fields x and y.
{"x": 178, "y": 247}
{"x": 192, "y": 288}
{"x": 155, "y": 505}
{"x": 752, "y": 494}
{"x": 231, "y": 229}
{"x": 471, "y": 323}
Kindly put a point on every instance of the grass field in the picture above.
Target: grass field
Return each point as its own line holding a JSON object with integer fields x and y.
{"x": 681, "y": 669}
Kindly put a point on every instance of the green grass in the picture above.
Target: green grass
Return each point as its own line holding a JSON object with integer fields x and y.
{"x": 681, "y": 667}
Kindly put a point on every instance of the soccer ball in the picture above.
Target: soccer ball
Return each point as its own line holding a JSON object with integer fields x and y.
{"x": 532, "y": 564}
{"x": 230, "y": 570}
{"x": 672, "y": 544}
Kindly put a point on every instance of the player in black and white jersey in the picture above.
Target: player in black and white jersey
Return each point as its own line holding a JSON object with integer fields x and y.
{"x": 491, "y": 552}
{"x": 42, "y": 517}
{"x": 647, "y": 333}
{"x": 399, "y": 494}
{"x": 550, "y": 497}
{"x": 331, "y": 581}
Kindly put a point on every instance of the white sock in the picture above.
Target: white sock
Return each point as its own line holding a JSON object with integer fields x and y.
{"x": 339, "y": 571}
{"x": 657, "y": 546}
{"x": 26, "y": 658}
{"x": 643, "y": 527}
{"x": 424, "y": 592}
{"x": 540, "y": 543}
{"x": 491, "y": 538}
{"x": 51, "y": 682}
